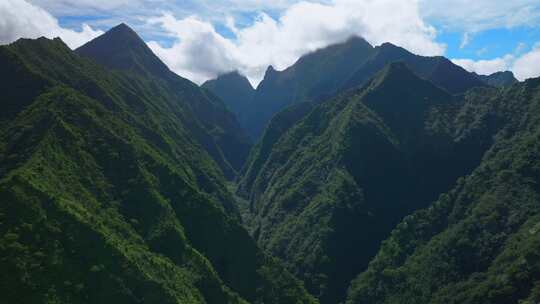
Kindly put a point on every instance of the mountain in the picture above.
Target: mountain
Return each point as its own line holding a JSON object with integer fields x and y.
{"x": 439, "y": 70}
{"x": 479, "y": 242}
{"x": 337, "y": 68}
{"x": 236, "y": 92}
{"x": 499, "y": 79}
{"x": 122, "y": 48}
{"x": 258, "y": 156}
{"x": 326, "y": 191}
{"x": 313, "y": 77}
{"x": 109, "y": 194}
{"x": 215, "y": 128}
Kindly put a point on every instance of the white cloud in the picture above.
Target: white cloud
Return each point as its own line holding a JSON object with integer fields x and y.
{"x": 467, "y": 37}
{"x": 201, "y": 53}
{"x": 20, "y": 19}
{"x": 486, "y": 67}
{"x": 528, "y": 65}
{"x": 524, "y": 66}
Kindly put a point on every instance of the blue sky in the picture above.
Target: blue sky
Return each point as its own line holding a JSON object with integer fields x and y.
{"x": 490, "y": 43}
{"x": 201, "y": 39}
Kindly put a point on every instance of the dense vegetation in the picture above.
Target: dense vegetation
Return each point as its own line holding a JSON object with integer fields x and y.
{"x": 381, "y": 177}
{"x": 479, "y": 243}
{"x": 111, "y": 186}
{"x": 214, "y": 127}
{"x": 329, "y": 189}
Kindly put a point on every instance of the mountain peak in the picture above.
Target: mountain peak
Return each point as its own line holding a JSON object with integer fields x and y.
{"x": 270, "y": 73}
{"x": 357, "y": 40}
{"x": 389, "y": 48}
{"x": 393, "y": 70}
{"x": 398, "y": 81}
{"x": 122, "y": 48}
{"x": 122, "y": 26}
{"x": 498, "y": 79}
{"x": 124, "y": 32}
{"x": 231, "y": 80}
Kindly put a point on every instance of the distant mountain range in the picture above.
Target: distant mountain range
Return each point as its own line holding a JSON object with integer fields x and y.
{"x": 359, "y": 174}
{"x": 323, "y": 73}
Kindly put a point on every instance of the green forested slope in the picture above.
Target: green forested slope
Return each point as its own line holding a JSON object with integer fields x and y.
{"x": 108, "y": 195}
{"x": 260, "y": 153}
{"x": 207, "y": 118}
{"x": 334, "y": 185}
{"x": 479, "y": 243}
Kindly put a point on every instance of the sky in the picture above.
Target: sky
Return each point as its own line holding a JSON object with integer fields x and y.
{"x": 200, "y": 39}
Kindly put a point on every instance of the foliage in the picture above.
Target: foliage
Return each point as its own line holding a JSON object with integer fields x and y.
{"x": 109, "y": 195}
{"x": 478, "y": 243}
{"x": 327, "y": 190}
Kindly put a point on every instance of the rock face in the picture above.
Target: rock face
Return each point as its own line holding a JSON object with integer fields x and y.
{"x": 111, "y": 186}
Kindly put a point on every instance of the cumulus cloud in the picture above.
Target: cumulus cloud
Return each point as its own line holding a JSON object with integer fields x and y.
{"x": 528, "y": 65}
{"x": 524, "y": 66}
{"x": 486, "y": 67}
{"x": 200, "y": 52}
{"x": 20, "y": 19}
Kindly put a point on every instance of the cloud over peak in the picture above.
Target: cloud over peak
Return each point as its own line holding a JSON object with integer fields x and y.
{"x": 200, "y": 52}
{"x": 200, "y": 39}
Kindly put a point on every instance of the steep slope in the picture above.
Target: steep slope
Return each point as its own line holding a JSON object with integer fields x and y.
{"x": 236, "y": 92}
{"x": 480, "y": 242}
{"x": 311, "y": 78}
{"x": 499, "y": 79}
{"x": 108, "y": 198}
{"x": 121, "y": 48}
{"x": 258, "y": 156}
{"x": 438, "y": 70}
{"x": 335, "y": 184}
{"x": 214, "y": 126}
